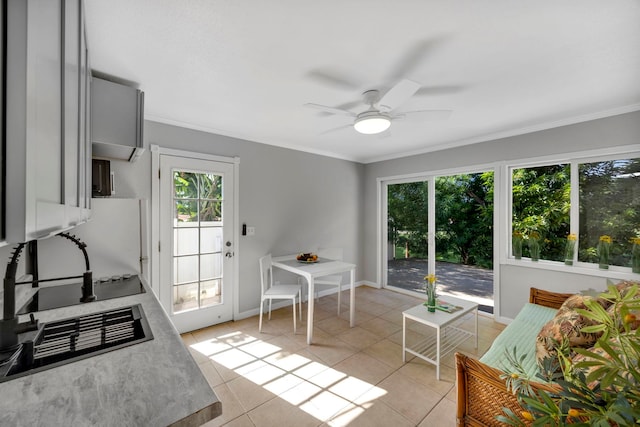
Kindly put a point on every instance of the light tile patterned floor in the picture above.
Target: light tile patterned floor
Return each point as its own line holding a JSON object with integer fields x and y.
{"x": 348, "y": 376}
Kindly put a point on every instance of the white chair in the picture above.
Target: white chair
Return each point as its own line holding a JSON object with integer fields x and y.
{"x": 271, "y": 291}
{"x": 334, "y": 280}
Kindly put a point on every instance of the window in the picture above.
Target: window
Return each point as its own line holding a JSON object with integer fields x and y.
{"x": 606, "y": 194}
{"x": 541, "y": 208}
{"x": 609, "y": 206}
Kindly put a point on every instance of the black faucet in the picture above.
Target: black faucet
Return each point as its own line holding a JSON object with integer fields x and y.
{"x": 9, "y": 326}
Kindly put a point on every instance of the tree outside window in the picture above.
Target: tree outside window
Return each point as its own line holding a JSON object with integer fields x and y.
{"x": 608, "y": 207}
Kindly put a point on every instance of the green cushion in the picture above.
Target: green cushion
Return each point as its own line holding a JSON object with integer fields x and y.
{"x": 520, "y": 333}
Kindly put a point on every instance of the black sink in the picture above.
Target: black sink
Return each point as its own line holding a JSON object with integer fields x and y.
{"x": 66, "y": 295}
{"x": 65, "y": 341}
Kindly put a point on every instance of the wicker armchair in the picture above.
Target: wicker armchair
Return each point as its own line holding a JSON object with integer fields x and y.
{"x": 481, "y": 394}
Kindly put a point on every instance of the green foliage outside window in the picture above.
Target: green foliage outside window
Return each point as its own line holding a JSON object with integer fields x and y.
{"x": 197, "y": 196}
{"x": 609, "y": 205}
{"x": 541, "y": 202}
{"x": 464, "y": 218}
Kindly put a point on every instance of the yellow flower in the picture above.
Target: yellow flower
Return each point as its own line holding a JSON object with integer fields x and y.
{"x": 534, "y": 235}
{"x": 527, "y": 415}
{"x": 431, "y": 278}
{"x": 574, "y": 413}
{"x": 572, "y": 237}
{"x": 635, "y": 240}
{"x": 517, "y": 234}
{"x": 606, "y": 239}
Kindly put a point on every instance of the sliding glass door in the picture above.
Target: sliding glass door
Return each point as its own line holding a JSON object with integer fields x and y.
{"x": 440, "y": 225}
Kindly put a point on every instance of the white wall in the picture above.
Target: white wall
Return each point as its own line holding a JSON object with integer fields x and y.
{"x": 296, "y": 201}
{"x": 514, "y": 280}
{"x": 299, "y": 201}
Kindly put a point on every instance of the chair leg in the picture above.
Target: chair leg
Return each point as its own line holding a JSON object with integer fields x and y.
{"x": 270, "y": 308}
{"x": 339, "y": 293}
{"x": 260, "y": 322}
{"x": 294, "y": 314}
{"x": 300, "y": 303}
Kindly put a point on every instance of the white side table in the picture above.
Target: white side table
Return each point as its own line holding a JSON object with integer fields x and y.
{"x": 448, "y": 335}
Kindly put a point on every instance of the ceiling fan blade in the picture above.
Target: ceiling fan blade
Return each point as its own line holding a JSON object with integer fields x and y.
{"x": 414, "y": 57}
{"x": 331, "y": 110}
{"x": 398, "y": 95}
{"x": 334, "y": 79}
{"x": 439, "y": 90}
{"x": 339, "y": 128}
{"x": 428, "y": 114}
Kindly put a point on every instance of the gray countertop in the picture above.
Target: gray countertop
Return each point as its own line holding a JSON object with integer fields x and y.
{"x": 154, "y": 383}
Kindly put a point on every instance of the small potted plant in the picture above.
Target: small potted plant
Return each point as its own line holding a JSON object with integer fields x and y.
{"x": 604, "y": 250}
{"x": 431, "y": 292}
{"x": 570, "y": 249}
{"x": 516, "y": 243}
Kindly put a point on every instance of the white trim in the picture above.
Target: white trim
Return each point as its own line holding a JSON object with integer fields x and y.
{"x": 193, "y": 155}
{"x": 381, "y": 233}
{"x": 382, "y": 184}
{"x": 600, "y": 154}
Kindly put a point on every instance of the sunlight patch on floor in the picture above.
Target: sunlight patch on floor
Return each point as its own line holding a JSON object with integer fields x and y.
{"x": 325, "y": 393}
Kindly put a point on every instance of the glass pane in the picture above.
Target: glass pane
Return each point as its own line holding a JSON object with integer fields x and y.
{"x": 210, "y": 186}
{"x": 185, "y": 269}
{"x": 211, "y": 266}
{"x": 210, "y": 293}
{"x": 540, "y": 210}
{"x": 464, "y": 220}
{"x": 609, "y": 206}
{"x": 186, "y": 212}
{"x": 185, "y": 297}
{"x": 185, "y": 185}
{"x": 210, "y": 239}
{"x": 185, "y": 241}
{"x": 210, "y": 211}
{"x": 407, "y": 227}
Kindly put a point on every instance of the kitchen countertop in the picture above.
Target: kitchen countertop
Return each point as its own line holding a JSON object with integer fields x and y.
{"x": 154, "y": 383}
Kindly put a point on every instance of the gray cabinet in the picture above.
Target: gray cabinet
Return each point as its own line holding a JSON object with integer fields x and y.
{"x": 117, "y": 120}
{"x": 46, "y": 132}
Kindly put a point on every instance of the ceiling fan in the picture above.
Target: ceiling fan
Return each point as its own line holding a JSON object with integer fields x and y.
{"x": 378, "y": 117}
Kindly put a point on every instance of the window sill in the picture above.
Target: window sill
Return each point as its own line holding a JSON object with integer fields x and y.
{"x": 613, "y": 272}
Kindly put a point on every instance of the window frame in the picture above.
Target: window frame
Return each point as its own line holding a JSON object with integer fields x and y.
{"x": 574, "y": 214}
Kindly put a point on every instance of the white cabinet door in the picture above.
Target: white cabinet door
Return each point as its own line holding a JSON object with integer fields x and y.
{"x": 45, "y": 142}
{"x": 45, "y": 211}
{"x": 71, "y": 111}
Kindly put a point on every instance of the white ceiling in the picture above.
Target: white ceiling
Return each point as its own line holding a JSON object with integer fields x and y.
{"x": 245, "y": 68}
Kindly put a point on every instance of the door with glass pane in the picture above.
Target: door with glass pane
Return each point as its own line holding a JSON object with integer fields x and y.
{"x": 196, "y": 247}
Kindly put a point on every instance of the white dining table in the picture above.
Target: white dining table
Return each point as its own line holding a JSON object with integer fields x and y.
{"x": 310, "y": 271}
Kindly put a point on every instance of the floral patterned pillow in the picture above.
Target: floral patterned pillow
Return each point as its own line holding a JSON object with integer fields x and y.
{"x": 567, "y": 324}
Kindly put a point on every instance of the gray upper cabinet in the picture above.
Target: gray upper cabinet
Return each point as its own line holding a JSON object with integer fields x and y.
{"x": 117, "y": 120}
{"x": 46, "y": 133}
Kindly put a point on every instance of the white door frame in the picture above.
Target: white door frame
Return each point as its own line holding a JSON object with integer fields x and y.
{"x": 156, "y": 151}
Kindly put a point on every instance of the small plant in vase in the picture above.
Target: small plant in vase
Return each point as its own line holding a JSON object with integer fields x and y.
{"x": 431, "y": 292}
{"x": 516, "y": 243}
{"x": 604, "y": 249}
{"x": 570, "y": 249}
{"x": 534, "y": 245}
{"x": 635, "y": 255}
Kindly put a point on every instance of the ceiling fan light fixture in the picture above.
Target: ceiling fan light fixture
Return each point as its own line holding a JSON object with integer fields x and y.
{"x": 370, "y": 123}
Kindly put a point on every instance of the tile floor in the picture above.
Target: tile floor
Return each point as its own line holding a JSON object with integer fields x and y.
{"x": 348, "y": 376}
